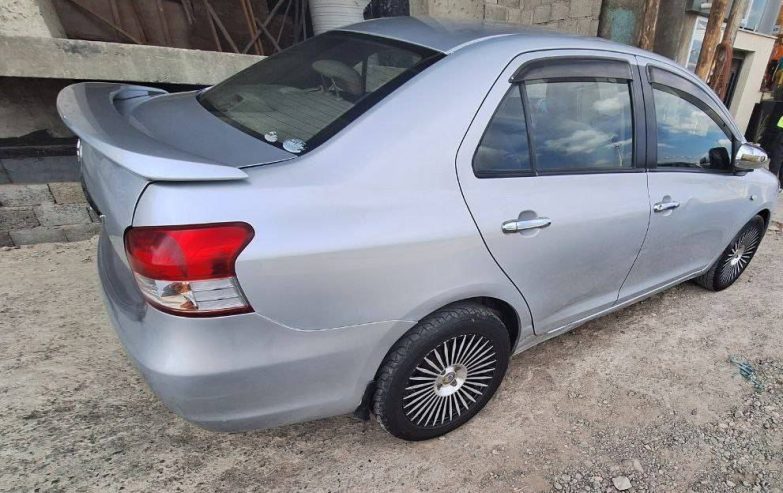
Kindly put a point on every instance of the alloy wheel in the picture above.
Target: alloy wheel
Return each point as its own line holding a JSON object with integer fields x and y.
{"x": 449, "y": 380}
{"x": 739, "y": 255}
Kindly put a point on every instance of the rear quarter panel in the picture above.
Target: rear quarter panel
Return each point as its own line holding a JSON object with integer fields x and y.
{"x": 369, "y": 227}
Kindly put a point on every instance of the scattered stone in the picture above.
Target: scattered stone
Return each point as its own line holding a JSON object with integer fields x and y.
{"x": 622, "y": 483}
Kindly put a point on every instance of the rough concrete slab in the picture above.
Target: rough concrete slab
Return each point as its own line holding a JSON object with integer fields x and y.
{"x": 5, "y": 239}
{"x": 67, "y": 193}
{"x": 20, "y": 195}
{"x": 79, "y": 59}
{"x": 17, "y": 218}
{"x": 61, "y": 214}
{"x": 37, "y": 235}
{"x": 78, "y": 232}
{"x": 41, "y": 169}
{"x": 3, "y": 175}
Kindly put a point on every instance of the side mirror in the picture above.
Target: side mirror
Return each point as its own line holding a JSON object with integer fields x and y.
{"x": 750, "y": 157}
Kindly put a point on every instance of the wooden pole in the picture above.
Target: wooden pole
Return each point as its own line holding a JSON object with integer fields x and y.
{"x": 647, "y": 33}
{"x": 736, "y": 14}
{"x": 719, "y": 78}
{"x": 711, "y": 37}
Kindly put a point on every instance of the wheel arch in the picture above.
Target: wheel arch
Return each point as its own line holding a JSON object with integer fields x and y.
{"x": 766, "y": 214}
{"x": 508, "y": 315}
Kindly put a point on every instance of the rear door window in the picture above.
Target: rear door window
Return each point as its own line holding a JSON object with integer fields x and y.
{"x": 504, "y": 146}
{"x": 581, "y": 124}
{"x": 302, "y": 96}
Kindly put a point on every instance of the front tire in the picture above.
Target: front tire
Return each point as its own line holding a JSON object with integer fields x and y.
{"x": 735, "y": 258}
{"x": 442, "y": 372}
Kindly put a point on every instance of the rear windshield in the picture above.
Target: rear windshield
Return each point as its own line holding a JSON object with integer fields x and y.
{"x": 300, "y": 97}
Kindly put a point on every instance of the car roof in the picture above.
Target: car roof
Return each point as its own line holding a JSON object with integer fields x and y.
{"x": 448, "y": 36}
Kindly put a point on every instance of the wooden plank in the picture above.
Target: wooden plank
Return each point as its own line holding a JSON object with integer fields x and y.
{"x": 268, "y": 35}
{"x": 212, "y": 29}
{"x": 247, "y": 11}
{"x": 265, "y": 24}
{"x": 107, "y": 22}
{"x": 220, "y": 26}
{"x": 163, "y": 24}
{"x": 137, "y": 18}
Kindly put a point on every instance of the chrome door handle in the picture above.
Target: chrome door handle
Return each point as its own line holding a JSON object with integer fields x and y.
{"x": 515, "y": 226}
{"x": 665, "y": 206}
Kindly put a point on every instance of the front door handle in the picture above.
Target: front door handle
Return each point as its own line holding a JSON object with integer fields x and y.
{"x": 515, "y": 226}
{"x": 665, "y": 206}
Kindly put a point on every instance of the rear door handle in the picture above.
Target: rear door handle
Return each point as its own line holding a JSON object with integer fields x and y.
{"x": 665, "y": 206}
{"x": 515, "y": 226}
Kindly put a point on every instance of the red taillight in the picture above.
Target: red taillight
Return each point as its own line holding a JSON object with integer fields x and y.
{"x": 189, "y": 270}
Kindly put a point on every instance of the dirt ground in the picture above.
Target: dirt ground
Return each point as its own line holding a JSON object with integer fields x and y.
{"x": 652, "y": 394}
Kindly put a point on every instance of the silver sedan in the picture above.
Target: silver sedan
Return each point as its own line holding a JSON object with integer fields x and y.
{"x": 375, "y": 220}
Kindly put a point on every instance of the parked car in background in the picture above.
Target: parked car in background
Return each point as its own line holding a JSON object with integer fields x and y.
{"x": 378, "y": 218}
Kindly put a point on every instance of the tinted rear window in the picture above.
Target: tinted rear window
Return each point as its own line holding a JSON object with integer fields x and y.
{"x": 300, "y": 97}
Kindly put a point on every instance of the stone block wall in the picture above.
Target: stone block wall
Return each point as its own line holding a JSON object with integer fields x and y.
{"x": 44, "y": 212}
{"x": 570, "y": 16}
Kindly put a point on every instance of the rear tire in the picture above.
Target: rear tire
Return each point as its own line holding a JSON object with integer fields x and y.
{"x": 442, "y": 372}
{"x": 735, "y": 258}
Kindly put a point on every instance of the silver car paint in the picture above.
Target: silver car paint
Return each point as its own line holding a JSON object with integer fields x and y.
{"x": 359, "y": 239}
{"x": 598, "y": 224}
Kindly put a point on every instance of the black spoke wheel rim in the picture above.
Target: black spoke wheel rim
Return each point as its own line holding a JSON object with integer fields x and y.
{"x": 450, "y": 380}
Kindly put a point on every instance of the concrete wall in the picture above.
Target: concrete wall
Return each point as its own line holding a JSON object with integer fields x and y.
{"x": 29, "y": 18}
{"x": 36, "y": 68}
{"x": 572, "y": 16}
{"x": 28, "y": 106}
{"x": 76, "y": 59}
{"x": 758, "y": 48}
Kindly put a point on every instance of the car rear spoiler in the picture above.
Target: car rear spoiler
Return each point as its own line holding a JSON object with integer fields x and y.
{"x": 97, "y": 112}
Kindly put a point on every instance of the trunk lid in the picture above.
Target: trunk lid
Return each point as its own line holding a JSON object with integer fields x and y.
{"x": 133, "y": 135}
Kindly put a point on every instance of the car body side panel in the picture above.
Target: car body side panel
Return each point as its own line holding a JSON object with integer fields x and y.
{"x": 575, "y": 266}
{"x": 244, "y": 371}
{"x": 369, "y": 227}
{"x": 713, "y": 207}
{"x": 687, "y": 240}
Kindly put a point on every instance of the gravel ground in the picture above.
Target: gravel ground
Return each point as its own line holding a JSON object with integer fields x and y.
{"x": 651, "y": 397}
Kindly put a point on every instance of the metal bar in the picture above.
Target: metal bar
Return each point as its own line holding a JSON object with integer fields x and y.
{"x": 107, "y": 22}
{"x": 220, "y": 26}
{"x": 163, "y": 24}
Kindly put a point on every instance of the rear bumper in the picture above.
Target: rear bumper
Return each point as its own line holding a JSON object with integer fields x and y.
{"x": 244, "y": 371}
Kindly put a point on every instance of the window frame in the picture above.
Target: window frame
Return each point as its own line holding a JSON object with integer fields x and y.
{"x": 668, "y": 81}
{"x": 574, "y": 69}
